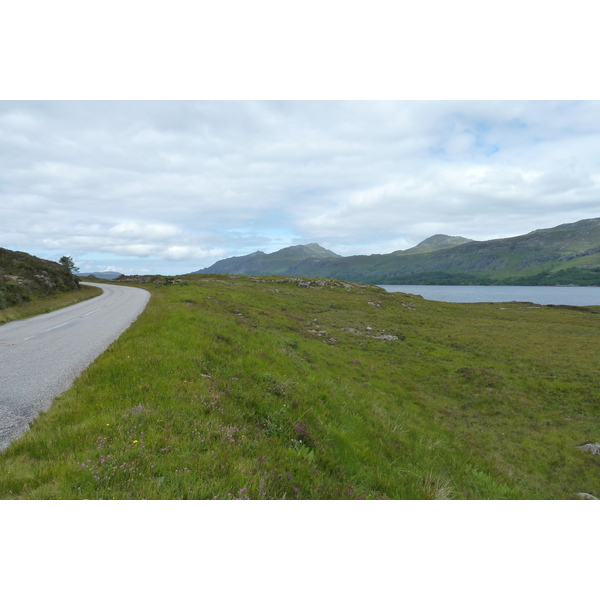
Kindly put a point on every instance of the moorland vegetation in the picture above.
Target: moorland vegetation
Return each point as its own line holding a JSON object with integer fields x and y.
{"x": 248, "y": 387}
{"x": 24, "y": 278}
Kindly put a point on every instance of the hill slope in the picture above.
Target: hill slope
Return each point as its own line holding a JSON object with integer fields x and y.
{"x": 276, "y": 263}
{"x": 567, "y": 254}
{"x": 436, "y": 242}
{"x": 24, "y": 277}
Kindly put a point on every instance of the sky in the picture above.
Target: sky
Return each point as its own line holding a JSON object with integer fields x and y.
{"x": 171, "y": 187}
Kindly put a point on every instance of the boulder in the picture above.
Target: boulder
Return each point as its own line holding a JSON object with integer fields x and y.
{"x": 592, "y": 448}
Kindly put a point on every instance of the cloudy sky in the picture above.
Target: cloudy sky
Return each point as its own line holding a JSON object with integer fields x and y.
{"x": 170, "y": 187}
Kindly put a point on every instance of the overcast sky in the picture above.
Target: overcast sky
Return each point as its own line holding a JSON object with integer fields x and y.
{"x": 171, "y": 187}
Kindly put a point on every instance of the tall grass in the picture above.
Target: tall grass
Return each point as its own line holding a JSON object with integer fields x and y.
{"x": 260, "y": 388}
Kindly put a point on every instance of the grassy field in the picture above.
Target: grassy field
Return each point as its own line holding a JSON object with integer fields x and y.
{"x": 231, "y": 387}
{"x": 46, "y": 305}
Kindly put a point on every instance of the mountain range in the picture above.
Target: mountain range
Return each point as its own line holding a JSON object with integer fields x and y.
{"x": 101, "y": 274}
{"x": 568, "y": 254}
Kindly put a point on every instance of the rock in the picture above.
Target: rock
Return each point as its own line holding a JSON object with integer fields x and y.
{"x": 389, "y": 338}
{"x": 592, "y": 448}
{"x": 352, "y": 330}
{"x": 584, "y": 496}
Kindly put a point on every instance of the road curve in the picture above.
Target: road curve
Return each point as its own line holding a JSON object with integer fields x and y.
{"x": 41, "y": 357}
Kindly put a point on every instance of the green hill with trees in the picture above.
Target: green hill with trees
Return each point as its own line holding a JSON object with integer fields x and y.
{"x": 24, "y": 277}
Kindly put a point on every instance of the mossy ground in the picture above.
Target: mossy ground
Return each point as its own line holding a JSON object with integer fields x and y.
{"x": 262, "y": 388}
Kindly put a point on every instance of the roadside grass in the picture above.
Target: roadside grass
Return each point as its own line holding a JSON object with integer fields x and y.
{"x": 48, "y": 304}
{"x": 231, "y": 387}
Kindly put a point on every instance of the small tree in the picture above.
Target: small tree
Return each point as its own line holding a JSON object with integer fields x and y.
{"x": 67, "y": 263}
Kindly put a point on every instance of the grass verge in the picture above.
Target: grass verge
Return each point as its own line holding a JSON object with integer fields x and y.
{"x": 49, "y": 304}
{"x": 231, "y": 387}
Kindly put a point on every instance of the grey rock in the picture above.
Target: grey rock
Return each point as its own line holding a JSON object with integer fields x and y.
{"x": 584, "y": 496}
{"x": 592, "y": 448}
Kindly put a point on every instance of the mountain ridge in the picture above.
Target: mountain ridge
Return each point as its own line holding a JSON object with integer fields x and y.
{"x": 439, "y": 241}
{"x": 101, "y": 274}
{"x": 571, "y": 250}
{"x": 275, "y": 262}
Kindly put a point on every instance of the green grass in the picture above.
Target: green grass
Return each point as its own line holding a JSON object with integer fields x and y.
{"x": 48, "y": 304}
{"x": 255, "y": 387}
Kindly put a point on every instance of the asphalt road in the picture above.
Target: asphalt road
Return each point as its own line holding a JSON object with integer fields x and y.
{"x": 41, "y": 357}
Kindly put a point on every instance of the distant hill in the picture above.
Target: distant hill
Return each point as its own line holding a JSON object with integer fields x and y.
{"x": 24, "y": 277}
{"x": 435, "y": 242}
{"x": 568, "y": 254}
{"x": 276, "y": 263}
{"x": 101, "y": 274}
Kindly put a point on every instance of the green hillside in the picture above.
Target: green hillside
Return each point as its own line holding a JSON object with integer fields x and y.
{"x": 563, "y": 255}
{"x": 24, "y": 278}
{"x": 276, "y": 263}
{"x": 435, "y": 242}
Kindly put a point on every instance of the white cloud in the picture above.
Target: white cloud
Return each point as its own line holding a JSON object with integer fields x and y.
{"x": 130, "y": 230}
{"x": 189, "y": 252}
{"x": 180, "y": 185}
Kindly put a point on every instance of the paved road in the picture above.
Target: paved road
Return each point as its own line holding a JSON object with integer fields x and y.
{"x": 41, "y": 357}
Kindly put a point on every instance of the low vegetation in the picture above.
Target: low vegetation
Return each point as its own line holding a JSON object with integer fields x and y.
{"x": 47, "y": 304}
{"x": 572, "y": 276}
{"x": 231, "y": 387}
{"x": 25, "y": 278}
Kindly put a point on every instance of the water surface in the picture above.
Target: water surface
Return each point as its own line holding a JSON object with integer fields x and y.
{"x": 571, "y": 296}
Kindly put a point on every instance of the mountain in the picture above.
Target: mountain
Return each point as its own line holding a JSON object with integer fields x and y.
{"x": 435, "y": 242}
{"x": 276, "y": 263}
{"x": 101, "y": 274}
{"x": 562, "y": 255}
{"x": 25, "y": 277}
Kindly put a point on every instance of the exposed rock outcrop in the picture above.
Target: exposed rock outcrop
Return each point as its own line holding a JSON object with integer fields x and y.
{"x": 592, "y": 448}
